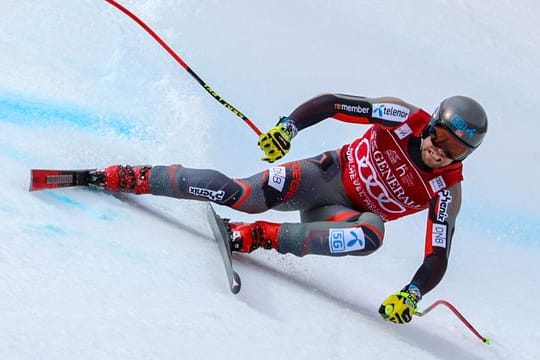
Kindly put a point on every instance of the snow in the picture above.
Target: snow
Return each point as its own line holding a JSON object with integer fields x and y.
{"x": 90, "y": 276}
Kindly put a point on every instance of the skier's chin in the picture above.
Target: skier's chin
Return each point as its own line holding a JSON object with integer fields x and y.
{"x": 432, "y": 159}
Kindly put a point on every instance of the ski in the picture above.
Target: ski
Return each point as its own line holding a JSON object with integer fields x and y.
{"x": 41, "y": 179}
{"x": 221, "y": 236}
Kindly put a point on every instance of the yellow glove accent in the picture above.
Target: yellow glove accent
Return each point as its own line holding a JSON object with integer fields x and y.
{"x": 399, "y": 308}
{"x": 276, "y": 143}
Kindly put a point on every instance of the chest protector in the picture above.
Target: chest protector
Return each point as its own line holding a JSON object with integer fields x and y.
{"x": 379, "y": 176}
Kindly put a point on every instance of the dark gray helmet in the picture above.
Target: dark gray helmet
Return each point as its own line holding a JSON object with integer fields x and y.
{"x": 464, "y": 117}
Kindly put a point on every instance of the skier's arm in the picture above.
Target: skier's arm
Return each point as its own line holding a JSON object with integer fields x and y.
{"x": 352, "y": 109}
{"x": 386, "y": 111}
{"x": 443, "y": 210}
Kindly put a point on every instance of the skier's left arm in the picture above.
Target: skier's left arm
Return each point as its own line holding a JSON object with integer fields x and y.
{"x": 443, "y": 210}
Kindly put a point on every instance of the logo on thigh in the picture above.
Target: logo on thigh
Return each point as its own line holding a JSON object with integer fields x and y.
{"x": 276, "y": 177}
{"x": 346, "y": 240}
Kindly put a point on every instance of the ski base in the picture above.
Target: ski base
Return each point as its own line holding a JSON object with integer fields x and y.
{"x": 222, "y": 237}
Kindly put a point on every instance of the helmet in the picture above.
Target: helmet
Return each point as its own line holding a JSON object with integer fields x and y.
{"x": 464, "y": 117}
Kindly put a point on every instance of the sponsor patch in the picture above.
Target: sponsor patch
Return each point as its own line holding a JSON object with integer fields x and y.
{"x": 356, "y": 109}
{"x": 346, "y": 240}
{"x": 276, "y": 177}
{"x": 393, "y": 156}
{"x": 438, "y": 235}
{"x": 462, "y": 127}
{"x": 392, "y": 112}
{"x": 445, "y": 199}
{"x": 403, "y": 131}
{"x": 207, "y": 193}
{"x": 437, "y": 184}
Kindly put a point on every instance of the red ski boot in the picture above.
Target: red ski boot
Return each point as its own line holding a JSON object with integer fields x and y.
{"x": 118, "y": 178}
{"x": 248, "y": 237}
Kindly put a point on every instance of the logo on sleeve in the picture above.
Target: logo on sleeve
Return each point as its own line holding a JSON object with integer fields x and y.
{"x": 438, "y": 235}
{"x": 346, "y": 240}
{"x": 276, "y": 177}
{"x": 355, "y": 109}
{"x": 392, "y": 112}
{"x": 445, "y": 199}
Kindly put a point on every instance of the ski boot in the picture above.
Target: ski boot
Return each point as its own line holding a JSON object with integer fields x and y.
{"x": 246, "y": 237}
{"x": 118, "y": 178}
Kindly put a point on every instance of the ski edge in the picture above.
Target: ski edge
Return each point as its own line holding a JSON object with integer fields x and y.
{"x": 220, "y": 235}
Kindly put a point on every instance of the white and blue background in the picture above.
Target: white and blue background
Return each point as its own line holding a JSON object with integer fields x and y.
{"x": 84, "y": 275}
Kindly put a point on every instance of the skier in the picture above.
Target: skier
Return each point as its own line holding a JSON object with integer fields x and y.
{"x": 407, "y": 161}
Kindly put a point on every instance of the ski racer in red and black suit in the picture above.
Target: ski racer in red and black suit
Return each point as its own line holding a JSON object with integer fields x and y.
{"x": 407, "y": 161}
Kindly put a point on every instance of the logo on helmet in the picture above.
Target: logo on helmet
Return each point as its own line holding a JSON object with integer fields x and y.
{"x": 462, "y": 127}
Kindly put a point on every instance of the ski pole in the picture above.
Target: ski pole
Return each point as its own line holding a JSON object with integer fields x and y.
{"x": 179, "y": 60}
{"x": 452, "y": 308}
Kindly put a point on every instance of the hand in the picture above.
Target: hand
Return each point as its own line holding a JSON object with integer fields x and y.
{"x": 400, "y": 307}
{"x": 276, "y": 143}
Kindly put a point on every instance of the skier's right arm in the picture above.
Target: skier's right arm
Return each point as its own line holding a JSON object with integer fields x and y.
{"x": 353, "y": 109}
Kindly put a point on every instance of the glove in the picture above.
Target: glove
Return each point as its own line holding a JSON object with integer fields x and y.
{"x": 277, "y": 141}
{"x": 400, "y": 307}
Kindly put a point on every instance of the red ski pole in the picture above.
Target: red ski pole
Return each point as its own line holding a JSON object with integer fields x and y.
{"x": 452, "y": 308}
{"x": 182, "y": 63}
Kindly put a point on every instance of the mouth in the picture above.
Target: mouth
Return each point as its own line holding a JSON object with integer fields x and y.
{"x": 434, "y": 155}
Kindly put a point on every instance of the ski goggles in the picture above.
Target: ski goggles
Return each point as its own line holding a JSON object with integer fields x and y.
{"x": 443, "y": 139}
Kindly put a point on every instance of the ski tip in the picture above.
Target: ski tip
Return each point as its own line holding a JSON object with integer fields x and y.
{"x": 36, "y": 181}
{"x": 34, "y": 178}
{"x": 236, "y": 284}
{"x": 31, "y": 187}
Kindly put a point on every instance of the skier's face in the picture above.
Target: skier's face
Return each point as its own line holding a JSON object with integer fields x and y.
{"x": 443, "y": 139}
{"x": 433, "y": 156}
{"x": 441, "y": 148}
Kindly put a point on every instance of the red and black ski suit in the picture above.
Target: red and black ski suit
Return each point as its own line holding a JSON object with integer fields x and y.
{"x": 344, "y": 196}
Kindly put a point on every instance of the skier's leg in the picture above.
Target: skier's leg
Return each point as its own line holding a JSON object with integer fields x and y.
{"x": 333, "y": 238}
{"x": 185, "y": 183}
{"x": 208, "y": 185}
{"x": 298, "y": 185}
{"x": 331, "y": 230}
{"x": 329, "y": 224}
{"x": 308, "y": 185}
